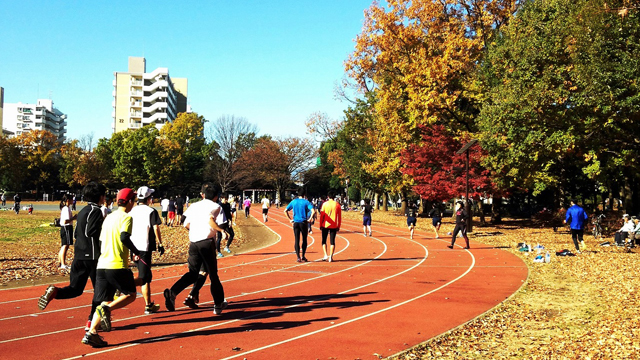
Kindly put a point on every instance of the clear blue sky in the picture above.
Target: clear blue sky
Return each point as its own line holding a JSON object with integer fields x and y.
{"x": 272, "y": 62}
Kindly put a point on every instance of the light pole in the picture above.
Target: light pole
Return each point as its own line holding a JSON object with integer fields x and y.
{"x": 467, "y": 205}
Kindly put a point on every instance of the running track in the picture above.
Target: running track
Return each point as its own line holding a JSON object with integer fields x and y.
{"x": 382, "y": 295}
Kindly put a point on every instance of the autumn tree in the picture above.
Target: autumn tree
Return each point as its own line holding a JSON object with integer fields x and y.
{"x": 264, "y": 163}
{"x": 233, "y": 136}
{"x": 12, "y": 170}
{"x": 420, "y": 60}
{"x": 39, "y": 154}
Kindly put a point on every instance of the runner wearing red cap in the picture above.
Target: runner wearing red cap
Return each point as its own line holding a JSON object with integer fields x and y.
{"x": 113, "y": 271}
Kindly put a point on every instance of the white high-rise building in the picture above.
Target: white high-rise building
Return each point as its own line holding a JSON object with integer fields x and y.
{"x": 20, "y": 118}
{"x": 141, "y": 98}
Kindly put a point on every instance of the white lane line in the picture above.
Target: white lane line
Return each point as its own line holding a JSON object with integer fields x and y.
{"x": 231, "y": 297}
{"x": 288, "y": 307}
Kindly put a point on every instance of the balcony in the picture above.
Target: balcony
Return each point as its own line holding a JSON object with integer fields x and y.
{"x": 136, "y": 104}
{"x": 136, "y": 83}
{"x": 135, "y": 125}
{"x": 135, "y": 92}
{"x": 135, "y": 114}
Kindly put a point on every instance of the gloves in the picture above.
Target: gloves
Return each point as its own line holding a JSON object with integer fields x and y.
{"x": 161, "y": 250}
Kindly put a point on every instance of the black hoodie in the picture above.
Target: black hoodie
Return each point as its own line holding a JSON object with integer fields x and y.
{"x": 87, "y": 232}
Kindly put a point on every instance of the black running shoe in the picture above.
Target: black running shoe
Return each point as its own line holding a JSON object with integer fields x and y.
{"x": 94, "y": 340}
{"x": 46, "y": 298}
{"x": 190, "y": 303}
{"x": 217, "y": 309}
{"x": 169, "y": 300}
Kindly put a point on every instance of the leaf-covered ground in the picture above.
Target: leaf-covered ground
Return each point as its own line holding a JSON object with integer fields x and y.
{"x": 582, "y": 307}
{"x": 574, "y": 307}
{"x": 29, "y": 246}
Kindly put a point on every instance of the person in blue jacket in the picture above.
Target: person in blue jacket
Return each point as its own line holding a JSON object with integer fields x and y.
{"x": 576, "y": 218}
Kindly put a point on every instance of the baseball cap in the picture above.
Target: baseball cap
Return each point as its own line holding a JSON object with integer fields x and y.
{"x": 144, "y": 192}
{"x": 125, "y": 194}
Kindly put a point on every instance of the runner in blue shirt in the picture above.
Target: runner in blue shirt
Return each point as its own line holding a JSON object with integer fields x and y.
{"x": 302, "y": 213}
{"x": 576, "y": 218}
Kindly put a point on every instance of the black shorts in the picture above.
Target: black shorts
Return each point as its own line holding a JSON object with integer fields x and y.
{"x": 411, "y": 221}
{"x": 265, "y": 211}
{"x": 110, "y": 280}
{"x": 144, "y": 271}
{"x": 66, "y": 235}
{"x": 366, "y": 220}
{"x": 436, "y": 221}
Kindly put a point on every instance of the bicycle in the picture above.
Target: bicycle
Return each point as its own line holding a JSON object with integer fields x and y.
{"x": 597, "y": 226}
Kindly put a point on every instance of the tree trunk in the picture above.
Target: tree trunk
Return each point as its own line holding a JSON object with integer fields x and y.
{"x": 496, "y": 204}
{"x": 376, "y": 201}
{"x": 403, "y": 204}
{"x": 385, "y": 200}
{"x": 483, "y": 222}
{"x": 628, "y": 195}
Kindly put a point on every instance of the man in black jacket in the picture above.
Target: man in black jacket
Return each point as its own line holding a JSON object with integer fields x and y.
{"x": 87, "y": 249}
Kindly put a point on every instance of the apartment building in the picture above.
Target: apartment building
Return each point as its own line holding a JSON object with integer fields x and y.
{"x": 20, "y": 118}
{"x": 141, "y": 98}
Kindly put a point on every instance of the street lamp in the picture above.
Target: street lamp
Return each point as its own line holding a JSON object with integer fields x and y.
{"x": 468, "y": 204}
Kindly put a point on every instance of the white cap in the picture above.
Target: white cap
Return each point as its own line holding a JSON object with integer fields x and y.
{"x": 144, "y": 192}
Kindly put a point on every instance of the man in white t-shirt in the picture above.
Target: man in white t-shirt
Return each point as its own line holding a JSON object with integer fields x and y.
{"x": 266, "y": 204}
{"x": 200, "y": 221}
{"x": 145, "y": 234}
{"x": 164, "y": 204}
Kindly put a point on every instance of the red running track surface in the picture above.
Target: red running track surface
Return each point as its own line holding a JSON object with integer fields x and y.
{"x": 381, "y": 295}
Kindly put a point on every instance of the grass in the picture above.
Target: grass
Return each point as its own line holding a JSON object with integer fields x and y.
{"x": 17, "y": 228}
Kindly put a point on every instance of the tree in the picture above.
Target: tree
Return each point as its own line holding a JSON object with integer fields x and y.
{"x": 264, "y": 163}
{"x": 420, "y": 58}
{"x": 184, "y": 142}
{"x": 233, "y": 135}
{"x": 40, "y": 154}
{"x": 12, "y": 170}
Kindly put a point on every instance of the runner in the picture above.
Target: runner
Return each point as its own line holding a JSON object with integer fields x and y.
{"x": 146, "y": 230}
{"x": 171, "y": 211}
{"x": 113, "y": 271}
{"x": 228, "y": 212}
{"x": 164, "y": 207}
{"x": 266, "y": 204}
{"x": 461, "y": 224}
{"x": 436, "y": 217}
{"x": 247, "y": 207}
{"x": 330, "y": 221}
{"x": 302, "y": 213}
{"x": 411, "y": 220}
{"x": 222, "y": 220}
{"x": 366, "y": 217}
{"x": 179, "y": 209}
{"x": 87, "y": 250}
{"x": 234, "y": 209}
{"x": 200, "y": 221}
{"x": 66, "y": 230}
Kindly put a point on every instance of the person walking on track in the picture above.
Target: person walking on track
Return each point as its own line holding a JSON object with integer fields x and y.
{"x": 266, "y": 204}
{"x": 113, "y": 271}
{"x": 146, "y": 234}
{"x": 302, "y": 213}
{"x": 87, "y": 250}
{"x": 366, "y": 211}
{"x": 576, "y": 218}
{"x": 461, "y": 224}
{"x": 330, "y": 221}
{"x": 200, "y": 221}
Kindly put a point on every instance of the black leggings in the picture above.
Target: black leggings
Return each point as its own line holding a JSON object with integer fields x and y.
{"x": 81, "y": 271}
{"x": 459, "y": 228}
{"x": 577, "y": 236}
{"x": 201, "y": 252}
{"x": 300, "y": 228}
{"x": 229, "y": 229}
{"x": 332, "y": 237}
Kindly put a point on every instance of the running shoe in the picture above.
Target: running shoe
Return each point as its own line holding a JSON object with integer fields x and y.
{"x": 227, "y": 250}
{"x": 94, "y": 340}
{"x": 151, "y": 308}
{"x": 304, "y": 259}
{"x": 220, "y": 255}
{"x": 217, "y": 309}
{"x": 190, "y": 303}
{"x": 46, "y": 298}
{"x": 299, "y": 260}
{"x": 169, "y": 300}
{"x": 105, "y": 317}
{"x": 450, "y": 246}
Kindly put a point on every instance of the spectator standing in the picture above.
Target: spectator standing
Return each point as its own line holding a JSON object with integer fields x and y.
{"x": 330, "y": 221}
{"x": 302, "y": 213}
{"x": 16, "y": 203}
{"x": 66, "y": 230}
{"x": 4, "y": 200}
{"x": 576, "y": 218}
